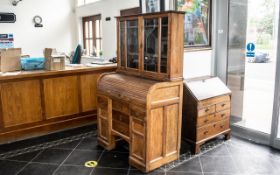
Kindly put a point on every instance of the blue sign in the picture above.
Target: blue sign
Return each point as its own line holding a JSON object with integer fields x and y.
{"x": 251, "y": 47}
{"x": 250, "y": 50}
{"x": 250, "y": 54}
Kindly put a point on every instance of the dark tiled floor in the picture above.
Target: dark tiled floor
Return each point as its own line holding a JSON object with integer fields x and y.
{"x": 65, "y": 153}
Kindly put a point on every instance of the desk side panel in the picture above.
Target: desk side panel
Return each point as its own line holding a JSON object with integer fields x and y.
{"x": 21, "y": 103}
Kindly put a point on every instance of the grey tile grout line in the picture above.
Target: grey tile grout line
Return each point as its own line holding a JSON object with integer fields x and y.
{"x": 200, "y": 163}
{"x": 230, "y": 155}
{"x": 28, "y": 163}
{"x": 195, "y": 156}
{"x": 88, "y": 150}
{"x": 129, "y": 170}
{"x": 97, "y": 161}
{"x": 47, "y": 145}
{"x": 20, "y": 161}
{"x": 66, "y": 157}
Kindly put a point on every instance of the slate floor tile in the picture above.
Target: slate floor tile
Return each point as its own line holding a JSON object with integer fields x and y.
{"x": 191, "y": 166}
{"x": 10, "y": 167}
{"x": 134, "y": 171}
{"x": 79, "y": 157}
{"x": 89, "y": 144}
{"x": 219, "y": 151}
{"x": 217, "y": 164}
{"x": 70, "y": 145}
{"x": 114, "y": 160}
{"x": 25, "y": 157}
{"x": 109, "y": 171}
{"x": 254, "y": 165}
{"x": 53, "y": 156}
{"x": 38, "y": 169}
{"x": 183, "y": 173}
{"x": 73, "y": 170}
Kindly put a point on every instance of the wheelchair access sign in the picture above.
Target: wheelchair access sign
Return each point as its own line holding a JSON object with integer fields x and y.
{"x": 251, "y": 50}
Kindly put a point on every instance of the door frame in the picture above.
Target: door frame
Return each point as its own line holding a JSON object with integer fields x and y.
{"x": 274, "y": 141}
{"x": 221, "y": 67}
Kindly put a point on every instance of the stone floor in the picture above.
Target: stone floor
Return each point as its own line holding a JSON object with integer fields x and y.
{"x": 65, "y": 153}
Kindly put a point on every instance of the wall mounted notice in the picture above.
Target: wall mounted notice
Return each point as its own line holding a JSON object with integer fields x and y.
{"x": 6, "y": 41}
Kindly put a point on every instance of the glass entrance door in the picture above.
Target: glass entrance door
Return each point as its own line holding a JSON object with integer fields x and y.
{"x": 252, "y": 60}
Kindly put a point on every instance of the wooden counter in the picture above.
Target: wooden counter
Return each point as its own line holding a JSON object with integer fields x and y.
{"x": 35, "y": 103}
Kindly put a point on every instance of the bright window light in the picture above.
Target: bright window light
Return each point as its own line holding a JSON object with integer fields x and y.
{"x": 84, "y": 2}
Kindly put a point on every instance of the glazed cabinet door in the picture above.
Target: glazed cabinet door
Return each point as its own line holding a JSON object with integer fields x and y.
{"x": 129, "y": 44}
{"x": 156, "y": 44}
{"x": 122, "y": 45}
{"x": 151, "y": 44}
{"x": 132, "y": 44}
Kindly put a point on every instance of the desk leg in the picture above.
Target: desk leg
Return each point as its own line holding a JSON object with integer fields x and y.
{"x": 104, "y": 123}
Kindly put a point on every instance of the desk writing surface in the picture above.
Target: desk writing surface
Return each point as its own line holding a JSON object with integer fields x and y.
{"x": 207, "y": 88}
{"x": 67, "y": 70}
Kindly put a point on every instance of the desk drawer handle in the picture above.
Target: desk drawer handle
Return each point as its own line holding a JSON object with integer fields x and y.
{"x": 206, "y": 132}
{"x": 223, "y": 115}
{"x": 206, "y": 110}
{"x": 222, "y": 126}
{"x": 223, "y": 105}
{"x": 205, "y": 121}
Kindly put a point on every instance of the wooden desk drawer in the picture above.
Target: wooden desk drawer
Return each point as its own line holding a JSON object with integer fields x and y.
{"x": 212, "y": 129}
{"x": 137, "y": 112}
{"x": 222, "y": 106}
{"x": 202, "y": 121}
{"x": 120, "y": 123}
{"x": 206, "y": 111}
{"x": 121, "y": 107}
{"x": 138, "y": 126}
{"x": 120, "y": 117}
{"x": 223, "y": 115}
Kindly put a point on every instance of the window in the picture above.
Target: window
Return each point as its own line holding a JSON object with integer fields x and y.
{"x": 197, "y": 22}
{"x": 84, "y": 2}
{"x": 92, "y": 35}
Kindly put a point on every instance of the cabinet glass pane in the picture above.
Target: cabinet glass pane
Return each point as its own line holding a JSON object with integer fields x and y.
{"x": 122, "y": 43}
{"x": 132, "y": 44}
{"x": 151, "y": 45}
{"x": 164, "y": 45}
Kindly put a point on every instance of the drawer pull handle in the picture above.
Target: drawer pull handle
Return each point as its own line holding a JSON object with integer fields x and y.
{"x": 206, "y": 132}
{"x": 206, "y": 110}
{"x": 222, "y": 126}
{"x": 214, "y": 125}
{"x": 205, "y": 121}
{"x": 223, "y": 115}
{"x": 223, "y": 105}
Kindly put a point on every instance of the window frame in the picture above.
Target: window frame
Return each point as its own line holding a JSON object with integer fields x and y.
{"x": 92, "y": 18}
{"x": 84, "y": 3}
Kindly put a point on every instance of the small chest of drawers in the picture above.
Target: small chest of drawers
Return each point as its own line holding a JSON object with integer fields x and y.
{"x": 206, "y": 111}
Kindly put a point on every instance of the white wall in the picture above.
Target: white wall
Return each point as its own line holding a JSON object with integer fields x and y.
{"x": 196, "y": 64}
{"x": 107, "y": 8}
{"x": 59, "y": 22}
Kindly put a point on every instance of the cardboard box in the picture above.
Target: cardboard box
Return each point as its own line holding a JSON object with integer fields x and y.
{"x": 54, "y": 62}
{"x": 10, "y": 60}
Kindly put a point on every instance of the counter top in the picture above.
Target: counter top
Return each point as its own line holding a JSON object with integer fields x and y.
{"x": 67, "y": 70}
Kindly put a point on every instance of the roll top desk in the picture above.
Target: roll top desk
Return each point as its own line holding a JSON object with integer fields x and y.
{"x": 142, "y": 102}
